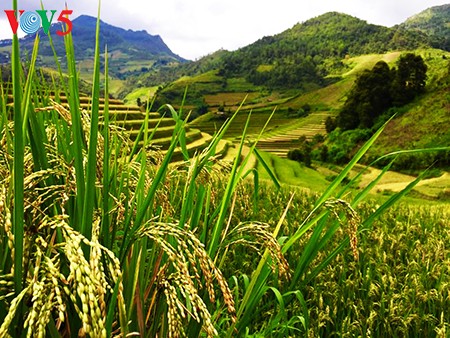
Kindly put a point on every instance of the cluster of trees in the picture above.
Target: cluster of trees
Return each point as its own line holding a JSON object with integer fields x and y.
{"x": 377, "y": 90}
{"x": 309, "y": 150}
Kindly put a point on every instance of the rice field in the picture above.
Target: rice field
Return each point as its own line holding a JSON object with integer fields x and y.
{"x": 102, "y": 235}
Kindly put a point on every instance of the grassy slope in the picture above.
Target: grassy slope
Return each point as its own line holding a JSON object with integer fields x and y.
{"x": 420, "y": 125}
{"x": 425, "y": 122}
{"x": 293, "y": 173}
{"x": 142, "y": 93}
{"x": 318, "y": 178}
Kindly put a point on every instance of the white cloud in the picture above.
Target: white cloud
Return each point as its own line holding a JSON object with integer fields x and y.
{"x": 198, "y": 27}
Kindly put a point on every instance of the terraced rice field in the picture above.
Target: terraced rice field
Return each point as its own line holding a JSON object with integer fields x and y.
{"x": 130, "y": 119}
{"x": 211, "y": 123}
{"x": 281, "y": 140}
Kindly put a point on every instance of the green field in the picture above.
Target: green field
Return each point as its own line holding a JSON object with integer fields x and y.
{"x": 116, "y": 222}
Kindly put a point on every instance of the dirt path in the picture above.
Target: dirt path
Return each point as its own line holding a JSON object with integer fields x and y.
{"x": 393, "y": 181}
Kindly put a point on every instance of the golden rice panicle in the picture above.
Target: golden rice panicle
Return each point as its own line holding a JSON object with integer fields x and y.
{"x": 86, "y": 283}
{"x": 256, "y": 235}
{"x": 86, "y": 287}
{"x": 97, "y": 266}
{"x": 45, "y": 291}
{"x": 7, "y": 321}
{"x": 338, "y": 205}
{"x": 174, "y": 320}
{"x": 184, "y": 260}
{"x": 210, "y": 271}
{"x": 5, "y": 219}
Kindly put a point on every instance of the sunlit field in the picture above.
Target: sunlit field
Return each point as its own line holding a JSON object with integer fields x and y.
{"x": 104, "y": 234}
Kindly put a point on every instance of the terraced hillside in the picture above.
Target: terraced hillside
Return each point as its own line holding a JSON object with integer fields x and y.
{"x": 130, "y": 119}
{"x": 283, "y": 139}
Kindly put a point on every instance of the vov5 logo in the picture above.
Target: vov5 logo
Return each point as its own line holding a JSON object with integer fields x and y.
{"x": 31, "y": 21}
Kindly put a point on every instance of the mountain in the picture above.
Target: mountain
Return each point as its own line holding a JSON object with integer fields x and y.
{"x": 312, "y": 50}
{"x": 307, "y": 56}
{"x": 130, "y": 52}
{"x": 435, "y": 22}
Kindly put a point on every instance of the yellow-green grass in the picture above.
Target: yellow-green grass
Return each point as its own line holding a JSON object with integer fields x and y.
{"x": 331, "y": 97}
{"x": 293, "y": 173}
{"x": 264, "y": 68}
{"x": 424, "y": 124}
{"x": 363, "y": 62}
{"x": 394, "y": 182}
{"x": 207, "y": 77}
{"x": 144, "y": 94}
{"x": 116, "y": 85}
{"x": 317, "y": 178}
{"x": 230, "y": 99}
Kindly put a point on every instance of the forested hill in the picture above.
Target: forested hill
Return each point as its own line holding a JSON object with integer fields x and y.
{"x": 434, "y": 22}
{"x": 303, "y": 55}
{"x": 314, "y": 49}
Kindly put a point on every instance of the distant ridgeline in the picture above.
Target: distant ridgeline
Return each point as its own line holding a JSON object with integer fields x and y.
{"x": 306, "y": 56}
{"x": 145, "y": 51}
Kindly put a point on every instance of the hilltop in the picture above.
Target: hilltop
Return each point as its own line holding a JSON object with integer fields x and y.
{"x": 435, "y": 23}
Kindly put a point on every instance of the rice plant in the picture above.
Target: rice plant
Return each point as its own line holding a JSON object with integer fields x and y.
{"x": 103, "y": 236}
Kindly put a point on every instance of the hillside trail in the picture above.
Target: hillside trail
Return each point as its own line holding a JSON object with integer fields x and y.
{"x": 393, "y": 181}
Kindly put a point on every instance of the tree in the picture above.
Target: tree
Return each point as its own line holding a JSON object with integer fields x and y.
{"x": 303, "y": 153}
{"x": 377, "y": 90}
{"x": 410, "y": 78}
{"x": 368, "y": 99}
{"x": 330, "y": 124}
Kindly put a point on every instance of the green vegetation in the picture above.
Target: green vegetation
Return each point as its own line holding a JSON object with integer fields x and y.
{"x": 309, "y": 52}
{"x": 101, "y": 235}
{"x": 308, "y": 56}
{"x": 381, "y": 88}
{"x": 433, "y": 22}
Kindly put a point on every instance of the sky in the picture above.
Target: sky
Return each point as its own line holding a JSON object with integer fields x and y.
{"x": 196, "y": 28}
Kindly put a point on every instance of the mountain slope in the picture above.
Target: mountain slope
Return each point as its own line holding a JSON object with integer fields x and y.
{"x": 435, "y": 22}
{"x": 130, "y": 51}
{"x": 305, "y": 56}
{"x": 425, "y": 122}
{"x": 308, "y": 56}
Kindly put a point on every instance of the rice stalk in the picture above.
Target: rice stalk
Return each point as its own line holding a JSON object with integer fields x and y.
{"x": 15, "y": 305}
{"x": 258, "y": 236}
{"x": 338, "y": 205}
{"x": 182, "y": 275}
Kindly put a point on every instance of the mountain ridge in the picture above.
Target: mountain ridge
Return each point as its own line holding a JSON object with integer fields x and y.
{"x": 130, "y": 51}
{"x": 434, "y": 22}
